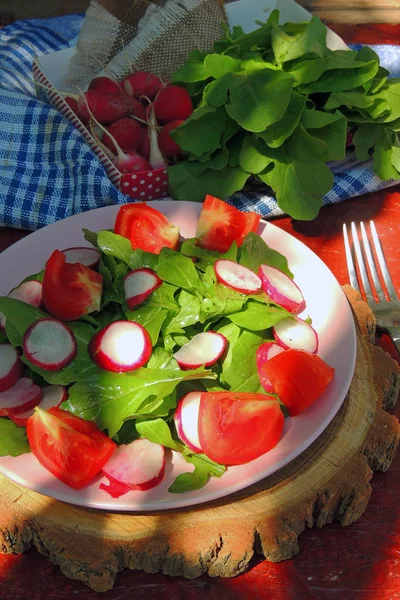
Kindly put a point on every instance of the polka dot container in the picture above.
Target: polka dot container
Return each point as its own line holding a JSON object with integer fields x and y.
{"x": 146, "y": 186}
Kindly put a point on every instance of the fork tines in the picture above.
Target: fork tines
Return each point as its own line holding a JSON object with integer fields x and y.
{"x": 367, "y": 270}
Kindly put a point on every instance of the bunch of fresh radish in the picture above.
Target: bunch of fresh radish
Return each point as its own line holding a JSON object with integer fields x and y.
{"x": 131, "y": 120}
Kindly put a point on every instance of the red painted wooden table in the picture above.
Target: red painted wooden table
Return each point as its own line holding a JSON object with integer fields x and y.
{"x": 361, "y": 562}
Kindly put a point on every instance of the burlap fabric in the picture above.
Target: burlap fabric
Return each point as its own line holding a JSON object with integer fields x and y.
{"x": 155, "y": 36}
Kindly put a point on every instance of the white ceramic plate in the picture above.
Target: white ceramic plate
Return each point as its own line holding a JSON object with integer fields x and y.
{"x": 331, "y": 317}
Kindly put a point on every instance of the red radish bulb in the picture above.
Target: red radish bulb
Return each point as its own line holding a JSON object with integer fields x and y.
{"x": 10, "y": 366}
{"x": 49, "y": 344}
{"x": 186, "y": 420}
{"x": 235, "y": 276}
{"x": 139, "y": 465}
{"x": 172, "y": 103}
{"x": 22, "y": 396}
{"x": 90, "y": 257}
{"x": 105, "y": 107}
{"x": 141, "y": 84}
{"x": 296, "y": 333}
{"x": 139, "y": 284}
{"x": 203, "y": 349}
{"x": 168, "y": 146}
{"x": 105, "y": 84}
{"x": 128, "y": 134}
{"x": 52, "y": 395}
{"x": 144, "y": 148}
{"x": 281, "y": 289}
{"x": 120, "y": 347}
{"x": 264, "y": 353}
{"x": 138, "y": 110}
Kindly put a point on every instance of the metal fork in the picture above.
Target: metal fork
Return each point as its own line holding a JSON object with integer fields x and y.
{"x": 387, "y": 312}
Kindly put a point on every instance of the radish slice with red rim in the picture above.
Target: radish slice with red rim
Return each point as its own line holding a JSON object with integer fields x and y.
{"x": 203, "y": 349}
{"x": 139, "y": 284}
{"x": 237, "y": 277}
{"x": 120, "y": 347}
{"x": 52, "y": 395}
{"x": 10, "y": 366}
{"x": 90, "y": 257}
{"x": 263, "y": 354}
{"x": 22, "y": 396}
{"x": 296, "y": 333}
{"x": 49, "y": 344}
{"x": 281, "y": 289}
{"x": 139, "y": 465}
{"x": 186, "y": 420}
{"x": 29, "y": 292}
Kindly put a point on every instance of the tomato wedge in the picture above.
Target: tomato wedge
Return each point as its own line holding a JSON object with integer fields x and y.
{"x": 221, "y": 224}
{"x": 235, "y": 428}
{"x": 298, "y": 377}
{"x": 70, "y": 290}
{"x": 72, "y": 449}
{"x": 146, "y": 227}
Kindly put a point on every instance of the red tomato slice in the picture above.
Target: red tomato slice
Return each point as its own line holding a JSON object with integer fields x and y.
{"x": 146, "y": 227}
{"x": 298, "y": 377}
{"x": 72, "y": 449}
{"x": 70, "y": 290}
{"x": 220, "y": 224}
{"x": 235, "y": 428}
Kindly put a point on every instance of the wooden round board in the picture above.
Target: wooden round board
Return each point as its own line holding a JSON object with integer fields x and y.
{"x": 328, "y": 481}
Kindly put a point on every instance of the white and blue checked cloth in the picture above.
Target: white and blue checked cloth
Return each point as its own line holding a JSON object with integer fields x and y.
{"x": 48, "y": 172}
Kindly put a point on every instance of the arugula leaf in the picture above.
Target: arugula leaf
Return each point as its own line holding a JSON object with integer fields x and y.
{"x": 185, "y": 182}
{"x": 258, "y": 98}
{"x": 276, "y": 134}
{"x": 158, "y": 432}
{"x": 258, "y": 317}
{"x": 328, "y": 128}
{"x": 19, "y": 316}
{"x": 193, "y": 70}
{"x": 154, "y": 310}
{"x": 13, "y": 440}
{"x": 204, "y": 467}
{"x": 3, "y": 337}
{"x": 219, "y": 65}
{"x": 179, "y": 270}
{"x": 119, "y": 247}
{"x": 240, "y": 372}
{"x": 189, "y": 313}
{"x": 309, "y": 38}
{"x": 211, "y": 122}
{"x": 255, "y": 252}
{"x": 109, "y": 399}
{"x": 161, "y": 359}
{"x": 91, "y": 237}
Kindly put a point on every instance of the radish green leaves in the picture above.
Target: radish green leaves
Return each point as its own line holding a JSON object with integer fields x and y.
{"x": 276, "y": 105}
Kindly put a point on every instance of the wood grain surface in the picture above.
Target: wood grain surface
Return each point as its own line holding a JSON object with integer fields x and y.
{"x": 328, "y": 481}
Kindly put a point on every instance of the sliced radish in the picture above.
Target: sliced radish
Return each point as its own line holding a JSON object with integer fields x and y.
{"x": 237, "y": 277}
{"x": 52, "y": 395}
{"x": 90, "y": 257}
{"x": 22, "y": 396}
{"x": 281, "y": 289}
{"x": 204, "y": 349}
{"x": 296, "y": 333}
{"x": 10, "y": 366}
{"x": 49, "y": 344}
{"x": 263, "y": 354}
{"x": 139, "y": 284}
{"x": 186, "y": 420}
{"x": 139, "y": 465}
{"x": 29, "y": 292}
{"x": 121, "y": 346}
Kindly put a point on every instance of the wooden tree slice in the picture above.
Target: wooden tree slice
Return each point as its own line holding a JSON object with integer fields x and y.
{"x": 328, "y": 481}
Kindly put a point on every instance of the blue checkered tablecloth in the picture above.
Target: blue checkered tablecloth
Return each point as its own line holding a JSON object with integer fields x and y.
{"x": 48, "y": 172}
